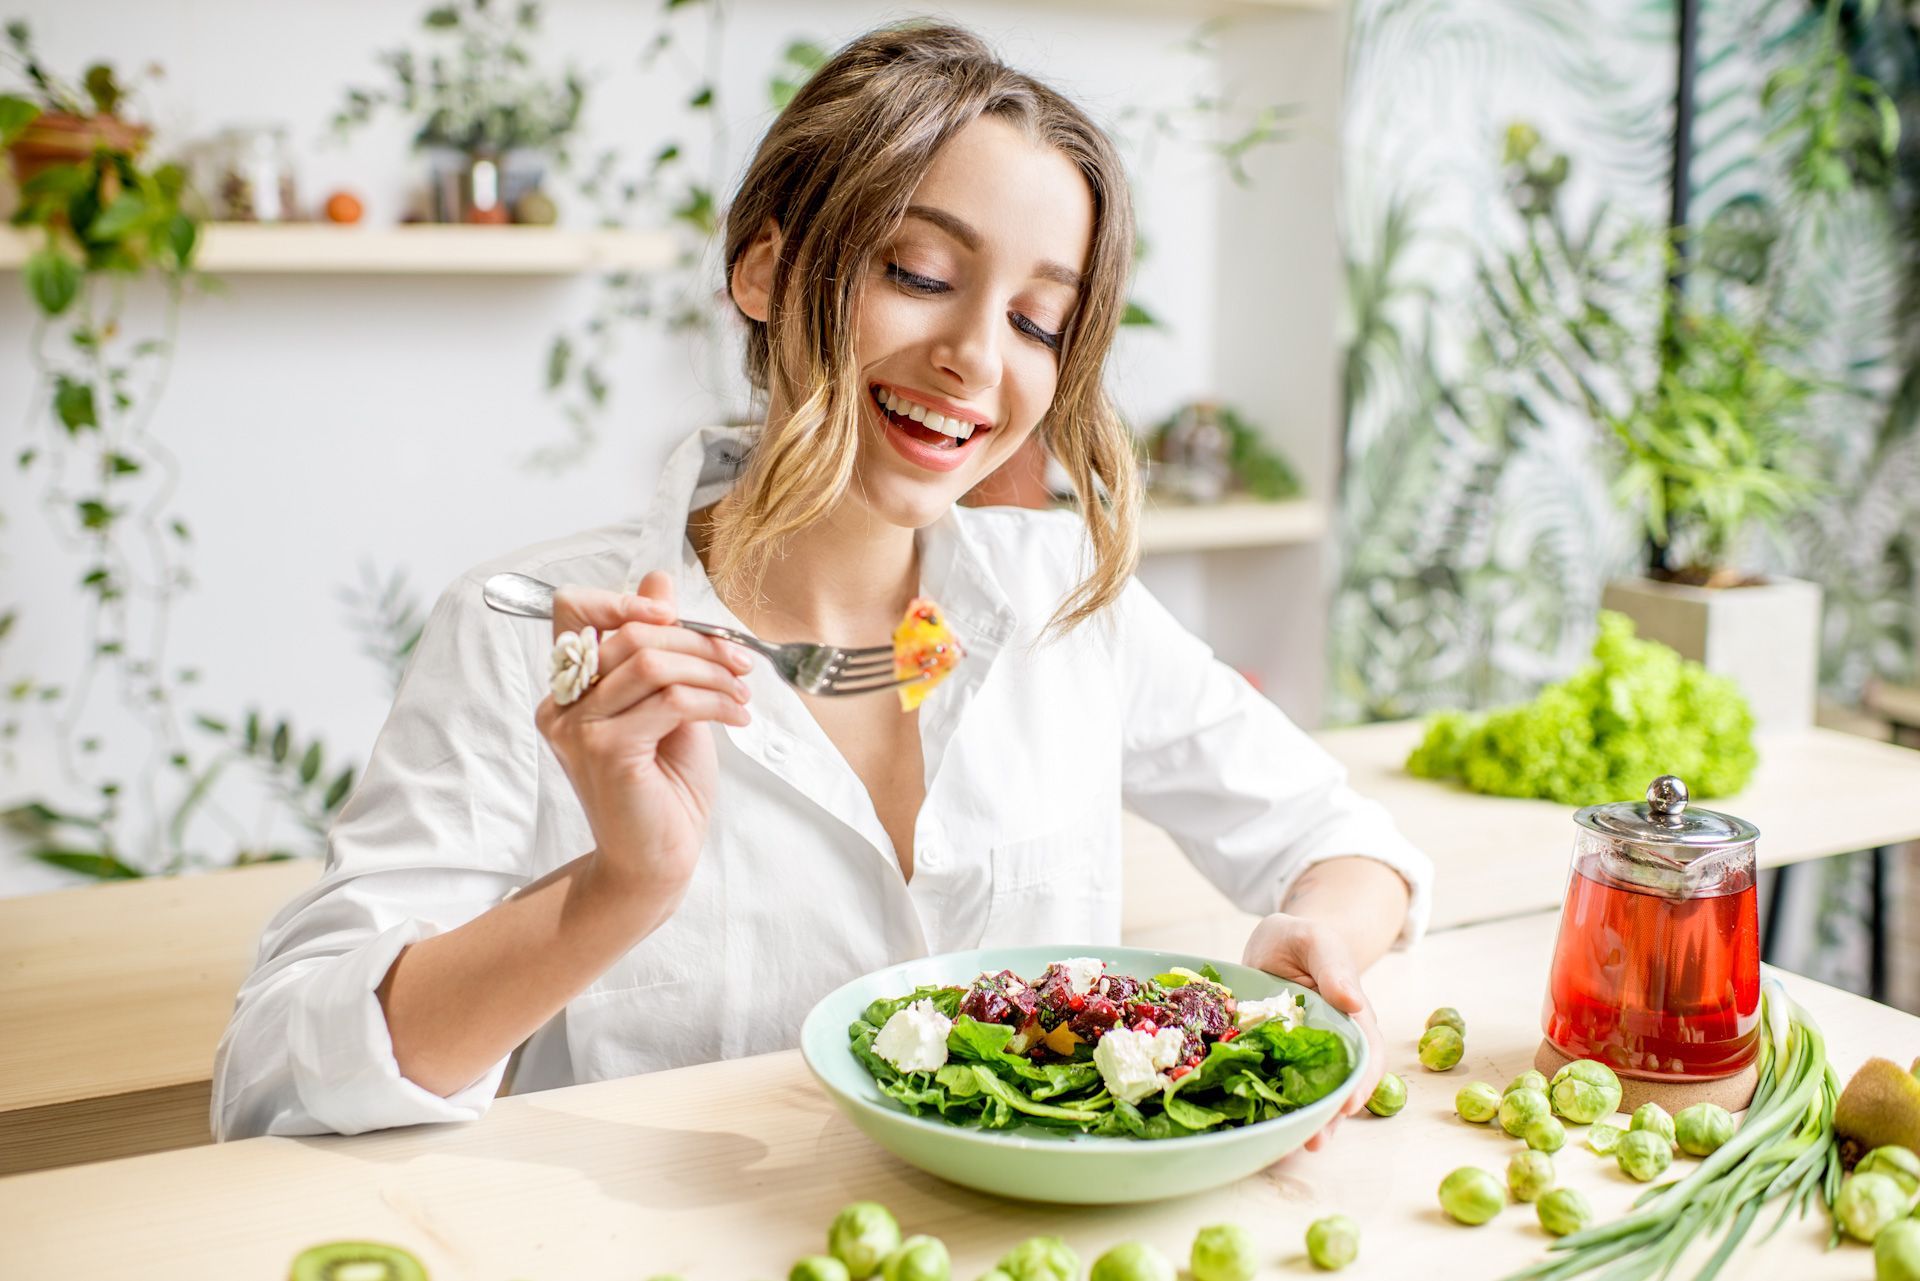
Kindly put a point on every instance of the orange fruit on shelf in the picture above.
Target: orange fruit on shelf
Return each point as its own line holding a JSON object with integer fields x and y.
{"x": 344, "y": 207}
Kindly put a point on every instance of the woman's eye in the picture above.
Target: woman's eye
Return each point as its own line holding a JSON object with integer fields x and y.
{"x": 1051, "y": 341}
{"x": 909, "y": 280}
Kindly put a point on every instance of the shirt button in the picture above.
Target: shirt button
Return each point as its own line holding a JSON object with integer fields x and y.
{"x": 929, "y": 854}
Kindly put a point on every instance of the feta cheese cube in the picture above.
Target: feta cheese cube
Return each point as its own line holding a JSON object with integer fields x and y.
{"x": 915, "y": 1038}
{"x": 1082, "y": 973}
{"x": 1282, "y": 1007}
{"x": 1132, "y": 1063}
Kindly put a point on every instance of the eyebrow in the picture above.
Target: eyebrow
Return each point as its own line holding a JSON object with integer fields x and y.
{"x": 960, "y": 230}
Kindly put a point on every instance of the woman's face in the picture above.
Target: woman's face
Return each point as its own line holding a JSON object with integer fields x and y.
{"x": 961, "y": 317}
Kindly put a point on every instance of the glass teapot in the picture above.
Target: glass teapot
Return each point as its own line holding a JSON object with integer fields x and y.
{"x": 1657, "y": 968}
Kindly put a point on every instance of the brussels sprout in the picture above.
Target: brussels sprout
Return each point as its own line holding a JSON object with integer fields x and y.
{"x": 1471, "y": 1196}
{"x": 1653, "y": 1118}
{"x": 818, "y": 1267}
{"x": 1867, "y": 1203}
{"x": 1388, "y": 1097}
{"x": 1897, "y": 1163}
{"x": 1604, "y": 1139}
{"x": 1221, "y": 1252}
{"x": 1041, "y": 1259}
{"x": 1531, "y": 1079}
{"x": 993, "y": 1274}
{"x": 1478, "y": 1103}
{"x": 1563, "y": 1210}
{"x": 862, "y": 1236}
{"x": 919, "y": 1258}
{"x": 1132, "y": 1261}
{"x": 1702, "y": 1128}
{"x": 1440, "y": 1048}
{"x": 1896, "y": 1252}
{"x": 1447, "y": 1016}
{"x": 1521, "y": 1109}
{"x": 1529, "y": 1175}
{"x": 1644, "y": 1154}
{"x": 1333, "y": 1242}
{"x": 1584, "y": 1091}
{"x": 1545, "y": 1135}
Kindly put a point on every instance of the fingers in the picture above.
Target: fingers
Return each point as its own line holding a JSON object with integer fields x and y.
{"x": 605, "y": 611}
{"x": 631, "y": 638}
{"x": 653, "y": 669}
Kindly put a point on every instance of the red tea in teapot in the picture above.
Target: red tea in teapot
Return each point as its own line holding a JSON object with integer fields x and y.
{"x": 1654, "y": 986}
{"x": 1656, "y": 972}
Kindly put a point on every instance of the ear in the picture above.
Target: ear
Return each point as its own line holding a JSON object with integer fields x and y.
{"x": 752, "y": 281}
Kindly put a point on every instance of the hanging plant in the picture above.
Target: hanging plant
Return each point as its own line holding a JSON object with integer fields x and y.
{"x": 104, "y": 219}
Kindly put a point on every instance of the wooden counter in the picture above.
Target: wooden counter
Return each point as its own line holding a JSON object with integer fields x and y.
{"x": 734, "y": 1170}
{"x": 1816, "y": 792}
{"x": 112, "y": 999}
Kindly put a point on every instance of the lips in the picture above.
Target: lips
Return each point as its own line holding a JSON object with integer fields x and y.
{"x": 923, "y": 447}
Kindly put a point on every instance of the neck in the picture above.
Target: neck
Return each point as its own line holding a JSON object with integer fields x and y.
{"x": 844, "y": 580}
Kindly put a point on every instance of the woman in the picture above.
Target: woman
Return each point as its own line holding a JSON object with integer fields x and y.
{"x": 673, "y": 866}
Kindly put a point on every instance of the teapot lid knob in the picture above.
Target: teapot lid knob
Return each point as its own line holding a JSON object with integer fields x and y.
{"x": 1667, "y": 798}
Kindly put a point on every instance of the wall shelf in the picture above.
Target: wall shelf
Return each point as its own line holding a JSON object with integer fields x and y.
{"x": 420, "y": 249}
{"x": 1238, "y": 524}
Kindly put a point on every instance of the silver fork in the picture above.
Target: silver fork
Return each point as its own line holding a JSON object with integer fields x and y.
{"x": 811, "y": 669}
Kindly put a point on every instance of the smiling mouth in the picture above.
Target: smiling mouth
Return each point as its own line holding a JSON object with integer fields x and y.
{"x": 925, "y": 425}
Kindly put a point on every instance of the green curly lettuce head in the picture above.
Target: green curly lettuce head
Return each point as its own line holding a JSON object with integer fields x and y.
{"x": 1636, "y": 711}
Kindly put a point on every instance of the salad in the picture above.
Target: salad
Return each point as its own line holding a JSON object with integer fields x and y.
{"x": 1086, "y": 1049}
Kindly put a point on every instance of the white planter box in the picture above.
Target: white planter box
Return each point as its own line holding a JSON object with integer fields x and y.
{"x": 1766, "y": 637}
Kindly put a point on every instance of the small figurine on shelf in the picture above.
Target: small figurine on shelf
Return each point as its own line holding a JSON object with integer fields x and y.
{"x": 1207, "y": 451}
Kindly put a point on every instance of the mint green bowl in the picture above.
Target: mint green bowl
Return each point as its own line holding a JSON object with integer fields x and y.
{"x": 1032, "y": 1164}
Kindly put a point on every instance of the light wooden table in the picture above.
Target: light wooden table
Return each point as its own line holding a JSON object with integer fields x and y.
{"x": 112, "y": 999}
{"x": 733, "y": 1170}
{"x": 1816, "y": 792}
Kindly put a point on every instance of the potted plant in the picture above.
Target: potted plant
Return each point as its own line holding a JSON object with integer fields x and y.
{"x": 1709, "y": 452}
{"x": 488, "y": 119}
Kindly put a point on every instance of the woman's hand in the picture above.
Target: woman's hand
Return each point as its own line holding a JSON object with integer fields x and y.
{"x": 1313, "y": 955}
{"x": 634, "y": 746}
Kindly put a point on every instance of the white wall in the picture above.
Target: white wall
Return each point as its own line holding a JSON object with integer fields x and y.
{"x": 326, "y": 422}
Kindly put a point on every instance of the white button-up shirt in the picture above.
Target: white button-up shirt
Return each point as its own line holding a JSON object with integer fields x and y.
{"x": 1030, "y": 750}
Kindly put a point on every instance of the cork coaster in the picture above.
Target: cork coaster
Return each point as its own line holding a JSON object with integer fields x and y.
{"x": 1731, "y": 1092}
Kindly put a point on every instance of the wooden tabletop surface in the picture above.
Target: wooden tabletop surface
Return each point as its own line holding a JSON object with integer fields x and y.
{"x": 113, "y": 997}
{"x": 733, "y": 1170}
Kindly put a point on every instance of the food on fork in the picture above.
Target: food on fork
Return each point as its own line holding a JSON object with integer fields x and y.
{"x": 924, "y": 646}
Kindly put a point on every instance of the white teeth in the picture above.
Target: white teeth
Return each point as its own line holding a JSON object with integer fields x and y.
{"x": 958, "y": 428}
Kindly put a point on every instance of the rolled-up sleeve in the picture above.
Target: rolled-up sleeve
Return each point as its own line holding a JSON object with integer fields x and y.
{"x": 440, "y": 827}
{"x": 1248, "y": 795}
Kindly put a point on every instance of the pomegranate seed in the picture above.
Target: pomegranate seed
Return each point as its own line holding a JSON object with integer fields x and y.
{"x": 1076, "y": 1002}
{"x": 1147, "y": 1026}
{"x": 1230, "y": 1033}
{"x": 1180, "y": 1071}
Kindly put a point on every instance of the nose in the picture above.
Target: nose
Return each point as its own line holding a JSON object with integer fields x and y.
{"x": 967, "y": 348}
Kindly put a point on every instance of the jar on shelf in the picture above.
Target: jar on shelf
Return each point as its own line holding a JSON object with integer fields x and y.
{"x": 253, "y": 175}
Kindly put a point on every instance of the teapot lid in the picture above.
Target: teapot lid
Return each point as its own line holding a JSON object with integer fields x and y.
{"x": 1664, "y": 819}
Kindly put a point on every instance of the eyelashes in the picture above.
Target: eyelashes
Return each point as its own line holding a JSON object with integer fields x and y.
{"x": 927, "y": 286}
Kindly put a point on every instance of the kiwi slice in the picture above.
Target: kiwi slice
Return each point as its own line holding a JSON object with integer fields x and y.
{"x": 1881, "y": 1105}
{"x": 356, "y": 1261}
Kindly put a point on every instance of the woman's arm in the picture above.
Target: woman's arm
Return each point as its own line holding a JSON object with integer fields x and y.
{"x": 459, "y": 1002}
{"x": 638, "y": 750}
{"x": 1360, "y": 899}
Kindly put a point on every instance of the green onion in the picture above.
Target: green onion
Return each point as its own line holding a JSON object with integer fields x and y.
{"x": 1784, "y": 1149}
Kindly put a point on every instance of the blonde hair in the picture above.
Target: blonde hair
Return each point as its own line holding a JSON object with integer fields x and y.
{"x": 835, "y": 173}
